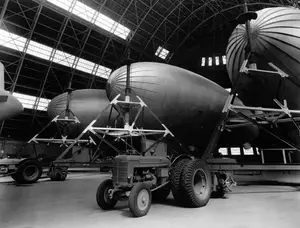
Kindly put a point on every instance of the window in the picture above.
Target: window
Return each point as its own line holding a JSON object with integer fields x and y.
{"x": 223, "y": 151}
{"x": 235, "y": 151}
{"x": 224, "y": 59}
{"x": 217, "y": 60}
{"x": 203, "y": 61}
{"x": 248, "y": 151}
{"x": 209, "y": 61}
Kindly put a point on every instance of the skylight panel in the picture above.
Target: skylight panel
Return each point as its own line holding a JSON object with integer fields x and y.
{"x": 26, "y": 100}
{"x": 121, "y": 31}
{"x": 64, "y": 58}
{"x": 209, "y": 61}
{"x": 39, "y": 50}
{"x": 224, "y": 59}
{"x": 64, "y": 4}
{"x": 203, "y": 61}
{"x": 217, "y": 60}
{"x": 44, "y": 52}
{"x": 12, "y": 41}
{"x": 83, "y": 11}
{"x": 43, "y": 104}
{"x": 158, "y": 50}
{"x": 103, "y": 72}
{"x": 162, "y": 52}
{"x": 85, "y": 66}
{"x": 87, "y": 13}
{"x": 105, "y": 22}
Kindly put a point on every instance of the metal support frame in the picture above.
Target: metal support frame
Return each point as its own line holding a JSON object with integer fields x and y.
{"x": 63, "y": 140}
{"x": 129, "y": 129}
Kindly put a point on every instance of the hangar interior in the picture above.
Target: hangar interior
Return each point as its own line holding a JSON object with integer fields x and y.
{"x": 53, "y": 48}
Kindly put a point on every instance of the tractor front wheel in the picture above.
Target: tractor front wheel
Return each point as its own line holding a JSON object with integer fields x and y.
{"x": 140, "y": 199}
{"x": 102, "y": 196}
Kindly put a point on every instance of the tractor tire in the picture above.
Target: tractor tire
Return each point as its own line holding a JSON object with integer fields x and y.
{"x": 196, "y": 182}
{"x": 160, "y": 195}
{"x": 175, "y": 175}
{"x": 140, "y": 199}
{"x": 58, "y": 174}
{"x": 28, "y": 172}
{"x": 102, "y": 197}
{"x": 58, "y": 177}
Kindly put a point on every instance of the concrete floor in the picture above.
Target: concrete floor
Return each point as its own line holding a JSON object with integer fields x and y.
{"x": 72, "y": 204}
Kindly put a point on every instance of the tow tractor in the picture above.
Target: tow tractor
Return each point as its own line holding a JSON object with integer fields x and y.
{"x": 143, "y": 177}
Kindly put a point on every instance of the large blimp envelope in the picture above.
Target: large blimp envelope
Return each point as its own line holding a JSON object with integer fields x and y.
{"x": 276, "y": 38}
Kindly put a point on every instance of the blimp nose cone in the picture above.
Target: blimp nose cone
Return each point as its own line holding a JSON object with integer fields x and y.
{"x": 10, "y": 106}
{"x": 116, "y": 83}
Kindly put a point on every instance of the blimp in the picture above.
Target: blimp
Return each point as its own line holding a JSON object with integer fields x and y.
{"x": 275, "y": 36}
{"x": 10, "y": 106}
{"x": 85, "y": 105}
{"x": 188, "y": 104}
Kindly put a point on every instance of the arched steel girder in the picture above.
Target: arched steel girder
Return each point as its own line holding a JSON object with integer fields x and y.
{"x": 85, "y": 41}
{"x": 62, "y": 30}
{"x": 35, "y": 20}
{"x": 135, "y": 30}
{"x": 109, "y": 39}
{"x": 183, "y": 22}
{"x": 212, "y": 16}
{"x": 88, "y": 24}
{"x": 158, "y": 27}
{"x": 3, "y": 11}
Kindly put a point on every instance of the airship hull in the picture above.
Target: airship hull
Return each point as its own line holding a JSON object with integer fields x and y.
{"x": 86, "y": 105}
{"x": 187, "y": 103}
{"x": 275, "y": 36}
{"x": 10, "y": 106}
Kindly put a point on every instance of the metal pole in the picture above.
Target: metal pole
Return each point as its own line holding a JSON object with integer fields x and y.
{"x": 127, "y": 97}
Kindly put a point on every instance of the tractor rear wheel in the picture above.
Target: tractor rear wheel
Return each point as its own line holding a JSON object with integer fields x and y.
{"x": 175, "y": 175}
{"x": 196, "y": 182}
